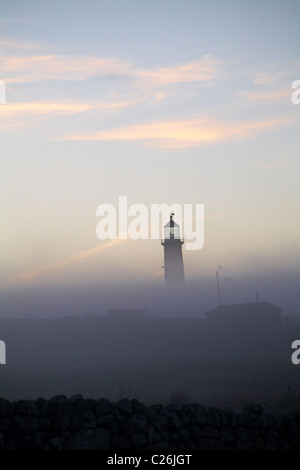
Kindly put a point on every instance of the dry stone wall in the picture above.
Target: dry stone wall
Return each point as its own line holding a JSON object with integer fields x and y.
{"x": 87, "y": 424}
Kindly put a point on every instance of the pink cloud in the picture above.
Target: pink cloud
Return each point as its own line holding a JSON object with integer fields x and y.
{"x": 180, "y": 134}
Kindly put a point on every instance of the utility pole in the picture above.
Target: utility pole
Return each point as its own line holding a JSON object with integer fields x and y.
{"x": 217, "y": 275}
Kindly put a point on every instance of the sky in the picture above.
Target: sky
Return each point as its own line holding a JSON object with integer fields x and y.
{"x": 171, "y": 101}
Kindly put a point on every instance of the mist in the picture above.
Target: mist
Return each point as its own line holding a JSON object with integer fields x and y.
{"x": 37, "y": 300}
{"x": 63, "y": 339}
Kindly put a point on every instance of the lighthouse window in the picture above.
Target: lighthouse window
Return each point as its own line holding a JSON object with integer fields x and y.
{"x": 172, "y": 232}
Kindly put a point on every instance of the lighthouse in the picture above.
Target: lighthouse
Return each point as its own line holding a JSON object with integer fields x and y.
{"x": 172, "y": 243}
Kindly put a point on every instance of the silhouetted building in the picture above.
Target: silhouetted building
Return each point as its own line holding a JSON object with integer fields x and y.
{"x": 243, "y": 331}
{"x": 255, "y": 318}
{"x": 173, "y": 262}
{"x": 292, "y": 322}
{"x": 127, "y": 314}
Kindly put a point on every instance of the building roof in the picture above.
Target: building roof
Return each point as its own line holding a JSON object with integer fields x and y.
{"x": 243, "y": 309}
{"x": 171, "y": 223}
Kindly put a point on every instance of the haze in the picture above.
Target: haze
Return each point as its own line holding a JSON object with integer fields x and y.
{"x": 185, "y": 102}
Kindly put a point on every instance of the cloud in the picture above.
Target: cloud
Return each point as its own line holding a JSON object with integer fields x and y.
{"x": 16, "y": 69}
{"x": 15, "y": 44}
{"x": 50, "y": 268}
{"x": 47, "y": 107}
{"x": 204, "y": 69}
{"x": 273, "y": 72}
{"x": 180, "y": 134}
{"x": 275, "y": 96}
{"x": 159, "y": 96}
{"x": 12, "y": 115}
{"x": 264, "y": 79}
{"x": 59, "y": 107}
{"x": 58, "y": 67}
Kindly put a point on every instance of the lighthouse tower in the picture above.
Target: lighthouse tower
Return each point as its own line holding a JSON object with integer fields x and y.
{"x": 172, "y": 243}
